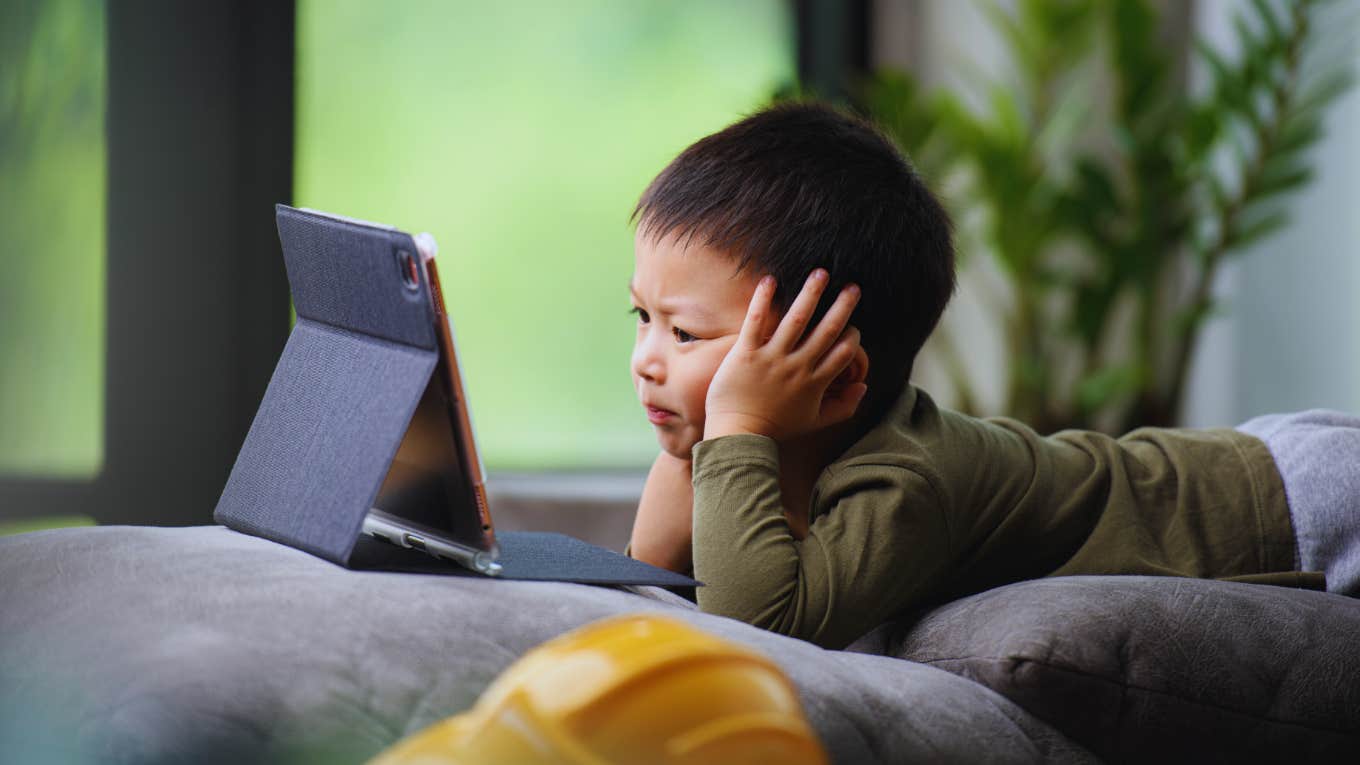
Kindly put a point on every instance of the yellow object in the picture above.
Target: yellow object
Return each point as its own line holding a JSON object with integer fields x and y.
{"x": 631, "y": 689}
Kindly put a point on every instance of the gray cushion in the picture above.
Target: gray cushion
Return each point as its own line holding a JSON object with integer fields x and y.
{"x": 137, "y": 645}
{"x": 1147, "y": 668}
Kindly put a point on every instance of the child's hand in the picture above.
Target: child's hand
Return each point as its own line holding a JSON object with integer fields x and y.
{"x": 777, "y": 386}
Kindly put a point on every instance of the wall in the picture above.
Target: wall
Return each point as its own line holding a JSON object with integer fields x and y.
{"x": 1288, "y": 337}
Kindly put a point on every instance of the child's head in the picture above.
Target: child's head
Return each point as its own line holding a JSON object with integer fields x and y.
{"x": 785, "y": 191}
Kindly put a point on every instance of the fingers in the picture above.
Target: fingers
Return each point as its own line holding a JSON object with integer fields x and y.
{"x": 752, "y": 328}
{"x": 839, "y": 406}
{"x": 839, "y": 357}
{"x": 793, "y": 324}
{"x": 833, "y": 324}
{"x": 800, "y": 313}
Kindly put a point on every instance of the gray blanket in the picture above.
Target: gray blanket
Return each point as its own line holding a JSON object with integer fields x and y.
{"x": 149, "y": 645}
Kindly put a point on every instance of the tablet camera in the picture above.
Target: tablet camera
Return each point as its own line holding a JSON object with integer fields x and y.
{"x": 410, "y": 273}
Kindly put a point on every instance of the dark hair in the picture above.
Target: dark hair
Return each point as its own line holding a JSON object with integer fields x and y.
{"x": 802, "y": 185}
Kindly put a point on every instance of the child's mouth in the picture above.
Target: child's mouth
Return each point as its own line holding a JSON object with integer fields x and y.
{"x": 659, "y": 416}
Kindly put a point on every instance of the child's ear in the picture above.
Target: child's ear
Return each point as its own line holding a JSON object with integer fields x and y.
{"x": 844, "y": 394}
{"x": 857, "y": 372}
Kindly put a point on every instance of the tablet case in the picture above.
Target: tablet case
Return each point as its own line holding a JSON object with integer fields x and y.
{"x": 338, "y": 404}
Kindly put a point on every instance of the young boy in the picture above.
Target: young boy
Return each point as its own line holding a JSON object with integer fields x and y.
{"x": 818, "y": 494}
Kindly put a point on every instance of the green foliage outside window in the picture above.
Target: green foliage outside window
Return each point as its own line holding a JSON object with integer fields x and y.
{"x": 52, "y": 96}
{"x": 520, "y": 135}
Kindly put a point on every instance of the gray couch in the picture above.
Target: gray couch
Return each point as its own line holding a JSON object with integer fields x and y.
{"x": 150, "y": 645}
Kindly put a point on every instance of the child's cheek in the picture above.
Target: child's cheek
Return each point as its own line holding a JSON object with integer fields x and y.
{"x": 714, "y": 359}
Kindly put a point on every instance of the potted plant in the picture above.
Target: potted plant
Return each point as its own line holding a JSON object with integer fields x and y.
{"x": 1109, "y": 194}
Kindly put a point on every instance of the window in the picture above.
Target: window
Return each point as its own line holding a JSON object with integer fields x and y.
{"x": 142, "y": 148}
{"x": 52, "y": 160}
{"x": 520, "y": 135}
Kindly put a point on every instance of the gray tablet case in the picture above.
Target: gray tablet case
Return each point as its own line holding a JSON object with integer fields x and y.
{"x": 339, "y": 402}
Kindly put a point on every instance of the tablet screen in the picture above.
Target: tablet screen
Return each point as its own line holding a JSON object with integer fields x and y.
{"x": 425, "y": 483}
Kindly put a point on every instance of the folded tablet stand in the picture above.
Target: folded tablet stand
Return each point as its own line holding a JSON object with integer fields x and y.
{"x": 338, "y": 404}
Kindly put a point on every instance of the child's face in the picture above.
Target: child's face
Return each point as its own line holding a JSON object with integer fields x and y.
{"x": 690, "y": 303}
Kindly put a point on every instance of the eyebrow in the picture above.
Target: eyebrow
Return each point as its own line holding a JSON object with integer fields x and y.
{"x": 698, "y": 310}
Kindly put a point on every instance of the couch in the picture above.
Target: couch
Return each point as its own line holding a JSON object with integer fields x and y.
{"x": 169, "y": 645}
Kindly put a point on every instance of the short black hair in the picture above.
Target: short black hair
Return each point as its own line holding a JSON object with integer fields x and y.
{"x": 801, "y": 185}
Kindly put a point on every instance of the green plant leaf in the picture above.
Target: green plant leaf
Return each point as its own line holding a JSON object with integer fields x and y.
{"x": 1078, "y": 229}
{"x": 1008, "y": 125}
{"x": 1251, "y": 44}
{"x": 1090, "y": 310}
{"x": 1218, "y": 66}
{"x": 1275, "y": 32}
{"x": 1259, "y": 229}
{"x": 1321, "y": 92}
{"x": 1139, "y": 64}
{"x": 1203, "y": 125}
{"x": 1278, "y": 181}
{"x": 1298, "y": 133}
{"x": 1094, "y": 391}
{"x": 1188, "y": 320}
{"x": 1097, "y": 188}
{"x": 1019, "y": 40}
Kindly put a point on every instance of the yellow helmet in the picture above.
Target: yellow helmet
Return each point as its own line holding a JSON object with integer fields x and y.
{"x": 638, "y": 688}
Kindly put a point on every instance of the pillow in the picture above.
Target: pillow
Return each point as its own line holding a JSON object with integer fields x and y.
{"x": 202, "y": 645}
{"x": 1147, "y": 668}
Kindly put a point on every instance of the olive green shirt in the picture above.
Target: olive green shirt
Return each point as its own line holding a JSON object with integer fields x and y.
{"x": 930, "y": 505}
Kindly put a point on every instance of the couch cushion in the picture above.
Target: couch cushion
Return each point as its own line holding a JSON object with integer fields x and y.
{"x": 1148, "y": 668}
{"x": 148, "y": 645}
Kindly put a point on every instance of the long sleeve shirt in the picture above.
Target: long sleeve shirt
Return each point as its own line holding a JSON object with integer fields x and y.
{"x": 931, "y": 505}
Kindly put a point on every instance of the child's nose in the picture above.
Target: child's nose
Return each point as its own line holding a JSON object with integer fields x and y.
{"x": 648, "y": 363}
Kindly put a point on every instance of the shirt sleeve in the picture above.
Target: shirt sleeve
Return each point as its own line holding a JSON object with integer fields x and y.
{"x": 878, "y": 543}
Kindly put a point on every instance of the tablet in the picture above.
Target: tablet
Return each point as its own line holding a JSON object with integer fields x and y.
{"x": 433, "y": 498}
{"x": 362, "y": 451}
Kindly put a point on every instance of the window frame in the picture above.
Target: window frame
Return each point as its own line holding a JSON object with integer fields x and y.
{"x": 199, "y": 128}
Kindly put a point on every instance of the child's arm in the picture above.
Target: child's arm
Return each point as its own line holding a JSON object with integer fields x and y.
{"x": 661, "y": 530}
{"x": 883, "y": 546}
{"x": 859, "y": 563}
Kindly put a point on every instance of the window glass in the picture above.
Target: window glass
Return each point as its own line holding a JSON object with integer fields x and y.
{"x": 52, "y": 95}
{"x": 520, "y": 135}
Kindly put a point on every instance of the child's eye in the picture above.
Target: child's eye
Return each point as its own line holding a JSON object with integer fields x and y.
{"x": 641, "y": 314}
{"x": 684, "y": 337}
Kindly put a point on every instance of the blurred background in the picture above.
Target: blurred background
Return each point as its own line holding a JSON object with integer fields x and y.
{"x": 1155, "y": 206}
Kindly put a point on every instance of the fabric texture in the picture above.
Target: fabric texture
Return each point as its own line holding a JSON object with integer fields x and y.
{"x": 931, "y": 505}
{"x": 350, "y": 276}
{"x": 344, "y": 389}
{"x": 323, "y": 437}
{"x": 148, "y": 645}
{"x": 123, "y": 645}
{"x": 1155, "y": 669}
{"x": 1318, "y": 455}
